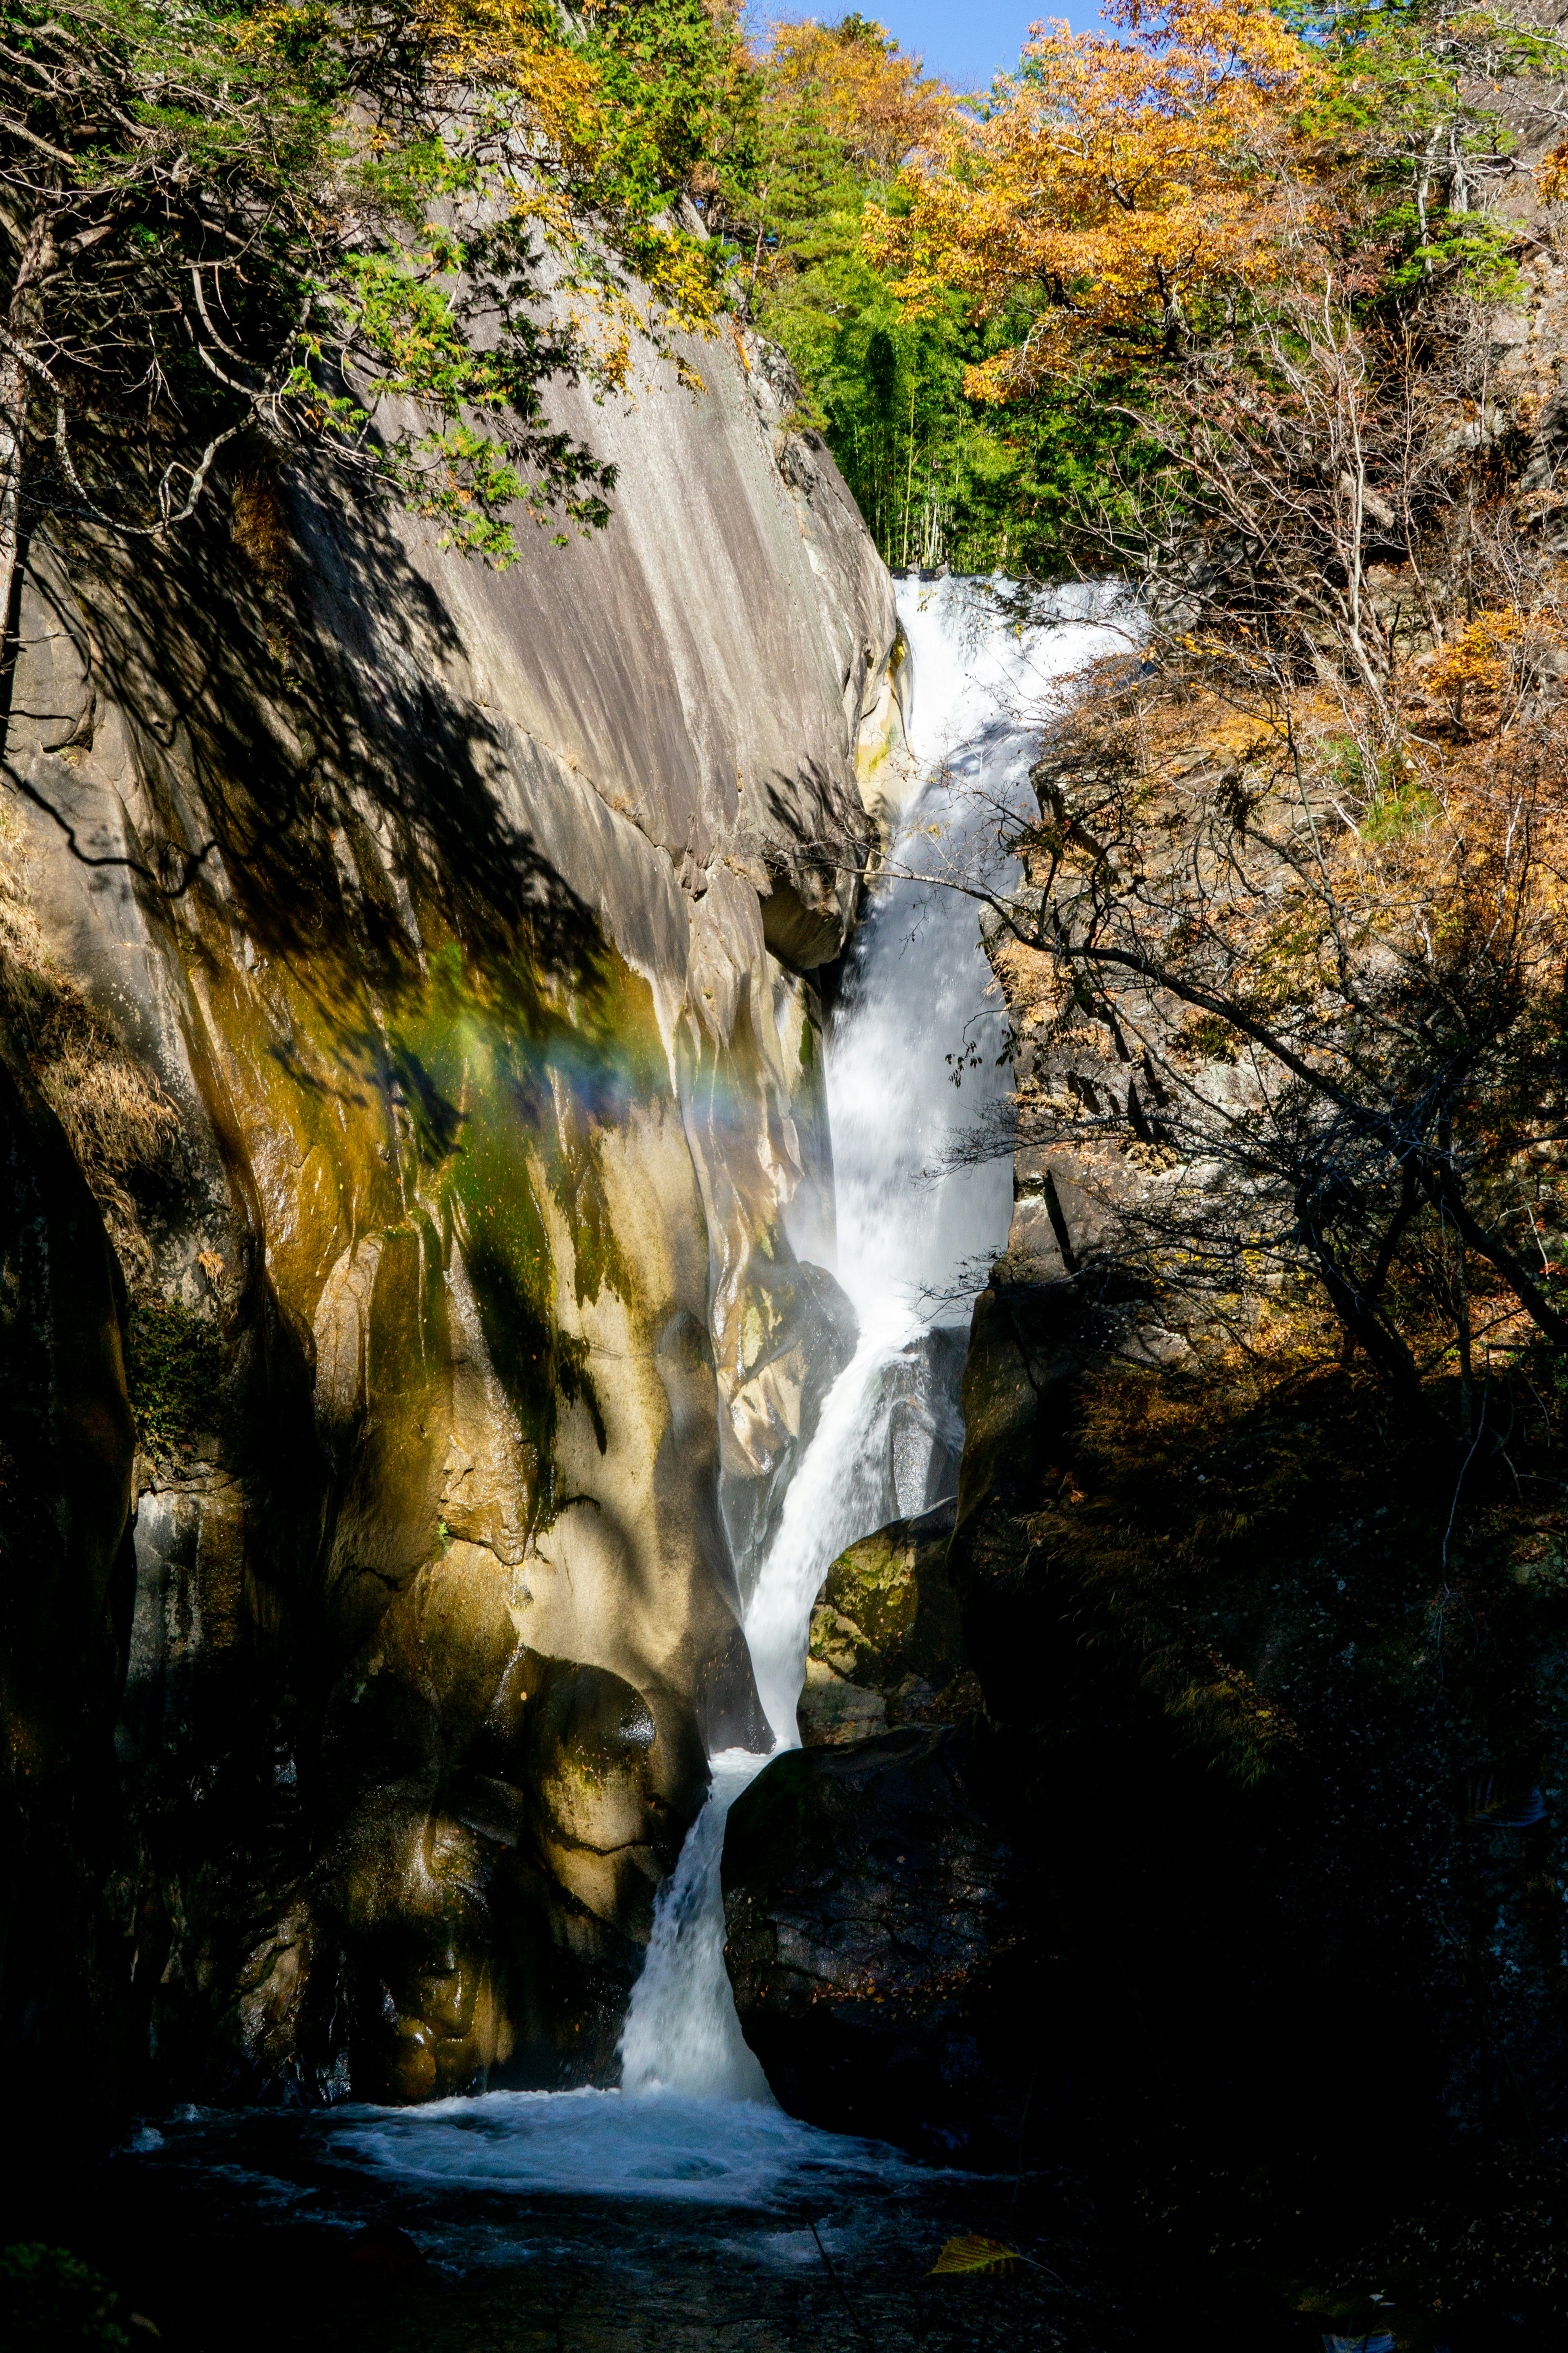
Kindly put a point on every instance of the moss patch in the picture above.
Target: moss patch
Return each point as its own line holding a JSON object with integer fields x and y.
{"x": 50, "y": 2300}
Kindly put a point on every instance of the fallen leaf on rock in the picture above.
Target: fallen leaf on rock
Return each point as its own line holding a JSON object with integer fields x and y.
{"x": 974, "y": 2256}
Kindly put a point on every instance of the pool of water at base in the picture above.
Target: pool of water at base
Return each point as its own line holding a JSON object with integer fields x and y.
{"x": 574, "y": 2223}
{"x": 536, "y": 2145}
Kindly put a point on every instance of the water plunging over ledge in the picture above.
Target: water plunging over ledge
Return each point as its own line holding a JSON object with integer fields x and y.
{"x": 694, "y": 2120}
{"x": 918, "y": 991}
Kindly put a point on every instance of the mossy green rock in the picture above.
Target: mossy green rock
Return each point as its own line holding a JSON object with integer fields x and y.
{"x": 887, "y": 1639}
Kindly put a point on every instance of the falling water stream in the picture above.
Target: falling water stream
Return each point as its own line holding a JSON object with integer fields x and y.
{"x": 694, "y": 2119}
{"x": 917, "y": 993}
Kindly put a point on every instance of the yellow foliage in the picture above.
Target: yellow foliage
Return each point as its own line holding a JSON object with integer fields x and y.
{"x": 973, "y": 2254}
{"x": 1127, "y": 179}
{"x": 1488, "y": 655}
{"x": 1552, "y": 175}
{"x": 863, "y": 92}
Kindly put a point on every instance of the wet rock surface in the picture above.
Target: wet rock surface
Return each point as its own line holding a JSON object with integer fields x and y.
{"x": 873, "y": 1917}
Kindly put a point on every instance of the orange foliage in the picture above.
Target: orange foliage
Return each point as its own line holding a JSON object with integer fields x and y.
{"x": 860, "y": 86}
{"x": 1125, "y": 180}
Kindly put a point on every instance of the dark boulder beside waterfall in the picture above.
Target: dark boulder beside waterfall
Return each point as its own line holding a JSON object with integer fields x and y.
{"x": 873, "y": 1917}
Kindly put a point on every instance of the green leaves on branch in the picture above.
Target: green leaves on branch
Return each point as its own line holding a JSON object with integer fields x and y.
{"x": 386, "y": 226}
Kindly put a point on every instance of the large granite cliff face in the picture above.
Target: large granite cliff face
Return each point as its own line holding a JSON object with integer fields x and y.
{"x": 413, "y": 961}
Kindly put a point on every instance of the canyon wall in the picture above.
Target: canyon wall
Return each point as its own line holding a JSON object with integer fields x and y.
{"x": 412, "y": 1085}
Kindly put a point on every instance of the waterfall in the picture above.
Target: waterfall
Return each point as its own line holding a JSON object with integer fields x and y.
{"x": 681, "y": 2032}
{"x": 918, "y": 992}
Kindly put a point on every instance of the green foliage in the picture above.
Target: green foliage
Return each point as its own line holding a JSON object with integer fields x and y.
{"x": 1472, "y": 248}
{"x": 52, "y": 2302}
{"x": 233, "y": 211}
{"x": 174, "y": 1365}
{"x": 1403, "y": 805}
{"x": 938, "y": 477}
{"x": 681, "y": 93}
{"x": 1386, "y": 786}
{"x": 1401, "y": 114}
{"x": 1206, "y": 1035}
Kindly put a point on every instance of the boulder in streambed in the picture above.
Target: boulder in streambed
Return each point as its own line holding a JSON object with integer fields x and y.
{"x": 887, "y": 1644}
{"x": 872, "y": 1918}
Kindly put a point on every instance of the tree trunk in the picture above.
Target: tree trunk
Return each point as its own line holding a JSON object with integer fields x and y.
{"x": 13, "y": 442}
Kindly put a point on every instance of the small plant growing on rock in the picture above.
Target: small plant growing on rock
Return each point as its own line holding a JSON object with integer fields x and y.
{"x": 173, "y": 1367}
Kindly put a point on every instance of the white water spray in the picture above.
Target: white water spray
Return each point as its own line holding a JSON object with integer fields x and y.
{"x": 918, "y": 993}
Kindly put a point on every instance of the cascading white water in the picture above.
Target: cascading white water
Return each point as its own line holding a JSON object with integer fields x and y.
{"x": 917, "y": 991}
{"x": 681, "y": 2032}
{"x": 918, "y": 994}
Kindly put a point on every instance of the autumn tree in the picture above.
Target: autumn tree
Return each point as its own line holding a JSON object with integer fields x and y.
{"x": 292, "y": 222}
{"x": 1127, "y": 183}
{"x": 1299, "y": 871}
{"x": 1329, "y": 996}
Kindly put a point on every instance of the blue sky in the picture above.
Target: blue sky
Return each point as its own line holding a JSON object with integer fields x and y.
{"x": 964, "y": 40}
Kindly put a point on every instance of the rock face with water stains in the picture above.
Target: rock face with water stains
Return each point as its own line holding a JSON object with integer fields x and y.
{"x": 415, "y": 961}
{"x": 873, "y": 1926}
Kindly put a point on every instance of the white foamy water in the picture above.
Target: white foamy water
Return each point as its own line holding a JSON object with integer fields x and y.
{"x": 682, "y": 2034}
{"x": 918, "y": 994}
{"x": 694, "y": 2118}
{"x": 741, "y": 2152}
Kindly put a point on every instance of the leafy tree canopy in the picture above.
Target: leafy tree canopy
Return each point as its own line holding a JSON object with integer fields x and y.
{"x": 286, "y": 219}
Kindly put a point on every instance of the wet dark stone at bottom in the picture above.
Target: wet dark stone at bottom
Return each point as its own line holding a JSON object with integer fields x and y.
{"x": 873, "y": 1917}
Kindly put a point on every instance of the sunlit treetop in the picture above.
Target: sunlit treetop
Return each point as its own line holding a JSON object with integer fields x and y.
{"x": 1127, "y": 180}
{"x": 859, "y": 85}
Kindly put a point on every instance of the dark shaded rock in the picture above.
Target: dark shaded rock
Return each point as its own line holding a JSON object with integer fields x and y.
{"x": 383, "y": 2255}
{"x": 1200, "y": 1615}
{"x": 65, "y": 1575}
{"x": 873, "y": 1918}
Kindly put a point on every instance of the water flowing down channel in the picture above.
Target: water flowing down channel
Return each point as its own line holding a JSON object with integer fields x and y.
{"x": 693, "y": 2117}
{"x": 916, "y": 996}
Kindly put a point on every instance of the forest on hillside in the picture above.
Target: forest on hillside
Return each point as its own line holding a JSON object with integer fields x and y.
{"x": 1207, "y": 303}
{"x": 252, "y": 220}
